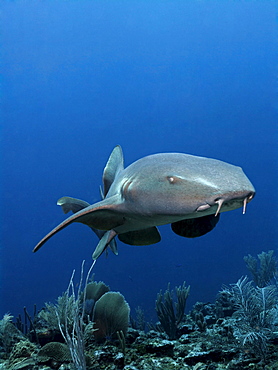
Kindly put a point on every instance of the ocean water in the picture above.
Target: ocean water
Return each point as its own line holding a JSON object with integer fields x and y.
{"x": 80, "y": 77}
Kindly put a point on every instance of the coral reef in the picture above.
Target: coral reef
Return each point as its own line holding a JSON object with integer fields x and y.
{"x": 9, "y": 335}
{"x": 52, "y": 313}
{"x": 55, "y": 354}
{"x": 170, "y": 313}
{"x": 111, "y": 315}
{"x": 256, "y": 312}
{"x": 92, "y": 292}
{"x": 215, "y": 348}
{"x": 266, "y": 271}
{"x": 238, "y": 331}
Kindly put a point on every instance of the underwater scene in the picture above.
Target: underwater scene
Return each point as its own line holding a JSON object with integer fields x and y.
{"x": 138, "y": 185}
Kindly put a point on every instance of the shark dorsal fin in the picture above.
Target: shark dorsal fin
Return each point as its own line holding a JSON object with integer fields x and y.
{"x": 114, "y": 164}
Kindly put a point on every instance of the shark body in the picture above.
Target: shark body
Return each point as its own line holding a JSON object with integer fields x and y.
{"x": 187, "y": 191}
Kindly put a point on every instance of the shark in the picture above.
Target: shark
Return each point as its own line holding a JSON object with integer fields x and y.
{"x": 189, "y": 192}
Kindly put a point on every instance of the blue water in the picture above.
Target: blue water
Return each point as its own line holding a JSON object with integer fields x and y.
{"x": 80, "y": 77}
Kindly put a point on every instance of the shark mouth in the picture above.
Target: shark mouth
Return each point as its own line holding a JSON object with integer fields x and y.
{"x": 221, "y": 201}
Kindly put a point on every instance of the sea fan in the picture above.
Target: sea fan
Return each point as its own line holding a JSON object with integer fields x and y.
{"x": 256, "y": 311}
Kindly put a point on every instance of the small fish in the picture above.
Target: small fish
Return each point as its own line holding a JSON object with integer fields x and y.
{"x": 183, "y": 190}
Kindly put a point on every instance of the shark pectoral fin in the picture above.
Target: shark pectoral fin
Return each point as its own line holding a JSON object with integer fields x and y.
{"x": 101, "y": 219}
{"x": 194, "y": 227}
{"x": 113, "y": 246}
{"x": 58, "y": 228}
{"x": 106, "y": 240}
{"x": 114, "y": 164}
{"x": 72, "y": 204}
{"x": 75, "y": 205}
{"x": 146, "y": 236}
{"x": 101, "y": 216}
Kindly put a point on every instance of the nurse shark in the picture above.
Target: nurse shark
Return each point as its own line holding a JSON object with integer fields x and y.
{"x": 186, "y": 191}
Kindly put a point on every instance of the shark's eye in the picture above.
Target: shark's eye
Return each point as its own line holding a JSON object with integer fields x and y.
{"x": 173, "y": 179}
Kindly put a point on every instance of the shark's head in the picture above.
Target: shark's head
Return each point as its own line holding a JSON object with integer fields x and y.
{"x": 184, "y": 185}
